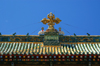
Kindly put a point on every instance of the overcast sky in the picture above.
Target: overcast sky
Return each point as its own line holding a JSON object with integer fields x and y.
{"x": 23, "y": 16}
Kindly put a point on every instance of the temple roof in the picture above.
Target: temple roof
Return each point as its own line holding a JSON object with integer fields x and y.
{"x": 32, "y": 48}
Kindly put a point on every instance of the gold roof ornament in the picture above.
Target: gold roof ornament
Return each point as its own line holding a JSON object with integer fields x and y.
{"x": 59, "y": 28}
{"x": 42, "y": 28}
{"x": 51, "y": 21}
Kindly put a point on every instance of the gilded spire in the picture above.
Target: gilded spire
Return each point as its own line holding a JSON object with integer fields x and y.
{"x": 51, "y": 21}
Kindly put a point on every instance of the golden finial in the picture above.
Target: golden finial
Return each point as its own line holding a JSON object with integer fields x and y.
{"x": 42, "y": 28}
{"x": 51, "y": 21}
{"x": 59, "y": 28}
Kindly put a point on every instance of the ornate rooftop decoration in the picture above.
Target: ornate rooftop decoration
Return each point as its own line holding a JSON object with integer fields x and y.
{"x": 51, "y": 21}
